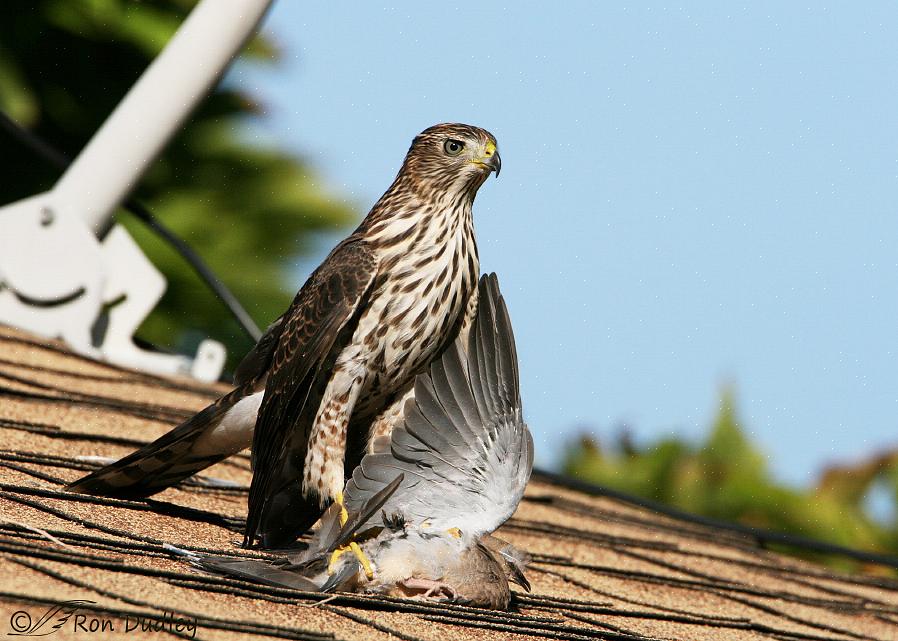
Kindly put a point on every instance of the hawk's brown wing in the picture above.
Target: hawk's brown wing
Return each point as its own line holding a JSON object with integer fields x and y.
{"x": 256, "y": 363}
{"x": 318, "y": 324}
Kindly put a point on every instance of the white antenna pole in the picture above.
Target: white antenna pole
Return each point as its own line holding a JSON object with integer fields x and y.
{"x": 58, "y": 266}
{"x": 154, "y": 109}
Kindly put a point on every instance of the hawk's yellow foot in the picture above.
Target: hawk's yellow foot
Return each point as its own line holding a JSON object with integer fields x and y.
{"x": 351, "y": 547}
{"x": 344, "y": 515}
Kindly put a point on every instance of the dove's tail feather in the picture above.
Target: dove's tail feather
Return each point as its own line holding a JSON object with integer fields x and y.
{"x": 268, "y": 573}
{"x": 220, "y": 430}
{"x": 257, "y": 571}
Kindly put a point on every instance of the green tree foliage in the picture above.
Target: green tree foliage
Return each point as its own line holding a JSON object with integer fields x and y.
{"x": 248, "y": 210}
{"x": 727, "y": 477}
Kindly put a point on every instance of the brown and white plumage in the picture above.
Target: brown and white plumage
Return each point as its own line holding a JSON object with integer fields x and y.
{"x": 342, "y": 358}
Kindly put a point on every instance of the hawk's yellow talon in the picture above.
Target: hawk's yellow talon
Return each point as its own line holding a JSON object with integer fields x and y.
{"x": 352, "y": 547}
{"x": 344, "y": 515}
{"x": 366, "y": 564}
{"x": 357, "y": 551}
{"x": 454, "y": 531}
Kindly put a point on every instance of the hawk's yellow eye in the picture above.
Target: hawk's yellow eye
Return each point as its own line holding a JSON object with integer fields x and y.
{"x": 453, "y": 147}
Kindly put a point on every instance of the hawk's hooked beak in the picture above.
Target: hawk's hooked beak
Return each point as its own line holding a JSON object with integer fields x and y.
{"x": 490, "y": 158}
{"x": 496, "y": 163}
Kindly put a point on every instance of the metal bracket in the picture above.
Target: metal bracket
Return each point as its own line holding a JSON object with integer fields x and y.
{"x": 65, "y": 270}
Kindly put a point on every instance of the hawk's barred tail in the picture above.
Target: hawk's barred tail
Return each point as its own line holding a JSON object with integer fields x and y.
{"x": 220, "y": 430}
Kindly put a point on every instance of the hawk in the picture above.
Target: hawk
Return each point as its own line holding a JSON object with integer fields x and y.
{"x": 421, "y": 508}
{"x": 333, "y": 371}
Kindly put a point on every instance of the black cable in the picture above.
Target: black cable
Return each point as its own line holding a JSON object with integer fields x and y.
{"x": 199, "y": 266}
{"x": 761, "y": 536}
{"x": 144, "y": 215}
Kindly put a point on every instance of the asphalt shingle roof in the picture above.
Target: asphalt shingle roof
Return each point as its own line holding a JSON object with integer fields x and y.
{"x": 602, "y": 567}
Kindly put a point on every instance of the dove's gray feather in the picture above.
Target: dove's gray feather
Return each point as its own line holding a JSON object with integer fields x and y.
{"x": 463, "y": 448}
{"x": 322, "y": 539}
{"x": 493, "y": 359}
{"x": 433, "y": 426}
{"x": 449, "y": 378}
{"x": 367, "y": 513}
{"x": 330, "y": 535}
{"x": 344, "y": 575}
{"x": 256, "y": 570}
{"x": 484, "y": 357}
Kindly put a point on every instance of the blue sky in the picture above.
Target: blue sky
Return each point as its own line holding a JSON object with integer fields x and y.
{"x": 690, "y": 197}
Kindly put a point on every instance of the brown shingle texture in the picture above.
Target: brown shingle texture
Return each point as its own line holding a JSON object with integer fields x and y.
{"x": 602, "y": 568}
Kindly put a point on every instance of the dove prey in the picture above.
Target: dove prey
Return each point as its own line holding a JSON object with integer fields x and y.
{"x": 420, "y": 509}
{"x": 334, "y": 370}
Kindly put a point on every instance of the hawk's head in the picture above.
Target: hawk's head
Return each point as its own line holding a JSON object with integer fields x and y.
{"x": 452, "y": 159}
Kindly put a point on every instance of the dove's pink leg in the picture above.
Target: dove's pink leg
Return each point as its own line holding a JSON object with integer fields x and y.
{"x": 431, "y": 588}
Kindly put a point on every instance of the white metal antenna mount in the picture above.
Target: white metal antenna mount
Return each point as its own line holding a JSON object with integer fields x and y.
{"x": 59, "y": 268}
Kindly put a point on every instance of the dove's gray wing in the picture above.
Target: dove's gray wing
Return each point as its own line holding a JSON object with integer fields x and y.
{"x": 463, "y": 448}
